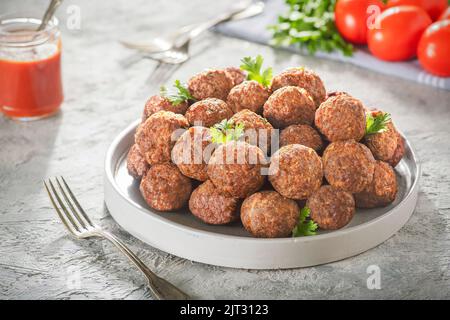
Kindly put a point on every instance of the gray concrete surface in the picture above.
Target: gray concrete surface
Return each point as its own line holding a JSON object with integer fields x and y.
{"x": 38, "y": 260}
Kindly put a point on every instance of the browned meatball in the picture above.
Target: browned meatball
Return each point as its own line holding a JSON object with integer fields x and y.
{"x": 331, "y": 208}
{"x": 382, "y": 144}
{"x": 192, "y": 151}
{"x": 164, "y": 188}
{"x": 303, "y": 78}
{"x": 248, "y": 95}
{"x": 398, "y": 153}
{"x": 258, "y": 130}
{"x": 341, "y": 117}
{"x": 381, "y": 191}
{"x": 235, "y": 168}
{"x": 158, "y": 134}
{"x": 208, "y": 112}
{"x": 210, "y": 84}
{"x": 158, "y": 103}
{"x": 296, "y": 171}
{"x": 289, "y": 105}
{"x": 348, "y": 165}
{"x": 335, "y": 93}
{"x": 136, "y": 164}
{"x": 301, "y": 134}
{"x": 212, "y": 206}
{"x": 237, "y": 75}
{"x": 267, "y": 214}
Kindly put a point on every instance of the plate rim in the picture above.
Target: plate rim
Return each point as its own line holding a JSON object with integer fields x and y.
{"x": 110, "y": 168}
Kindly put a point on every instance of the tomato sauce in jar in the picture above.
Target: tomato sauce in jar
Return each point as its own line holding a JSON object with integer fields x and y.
{"x": 30, "y": 69}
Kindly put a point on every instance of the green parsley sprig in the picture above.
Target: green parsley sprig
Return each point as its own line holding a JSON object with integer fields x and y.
{"x": 310, "y": 25}
{"x": 181, "y": 95}
{"x": 225, "y": 131}
{"x": 304, "y": 227}
{"x": 378, "y": 123}
{"x": 253, "y": 67}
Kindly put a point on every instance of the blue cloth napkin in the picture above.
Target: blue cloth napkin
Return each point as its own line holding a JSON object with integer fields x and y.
{"x": 255, "y": 30}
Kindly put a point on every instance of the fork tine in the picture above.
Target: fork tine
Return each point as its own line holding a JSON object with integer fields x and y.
{"x": 153, "y": 79}
{"x": 164, "y": 72}
{"x": 159, "y": 71}
{"x": 60, "y": 215}
{"x": 70, "y": 205}
{"x": 77, "y": 204}
{"x": 175, "y": 67}
{"x": 63, "y": 207}
{"x": 165, "y": 68}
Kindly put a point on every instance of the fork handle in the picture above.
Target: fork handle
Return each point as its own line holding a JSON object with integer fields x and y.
{"x": 162, "y": 289}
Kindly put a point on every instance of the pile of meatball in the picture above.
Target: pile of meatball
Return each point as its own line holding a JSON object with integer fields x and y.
{"x": 325, "y": 160}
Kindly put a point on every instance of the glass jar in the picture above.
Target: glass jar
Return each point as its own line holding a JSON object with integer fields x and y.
{"x": 30, "y": 68}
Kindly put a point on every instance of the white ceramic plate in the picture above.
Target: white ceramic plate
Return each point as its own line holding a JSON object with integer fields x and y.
{"x": 183, "y": 235}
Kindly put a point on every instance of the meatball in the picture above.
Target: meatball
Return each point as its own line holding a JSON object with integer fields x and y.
{"x": 190, "y": 153}
{"x": 289, "y": 105}
{"x": 248, "y": 95}
{"x": 383, "y": 144}
{"x": 157, "y": 135}
{"x": 348, "y": 165}
{"x": 335, "y": 93}
{"x": 208, "y": 112}
{"x": 267, "y": 214}
{"x": 381, "y": 191}
{"x": 136, "y": 164}
{"x": 303, "y": 78}
{"x": 158, "y": 103}
{"x": 257, "y": 130}
{"x": 236, "y": 74}
{"x": 301, "y": 134}
{"x": 341, "y": 117}
{"x": 331, "y": 208}
{"x": 212, "y": 206}
{"x": 210, "y": 84}
{"x": 164, "y": 188}
{"x": 398, "y": 153}
{"x": 235, "y": 168}
{"x": 296, "y": 171}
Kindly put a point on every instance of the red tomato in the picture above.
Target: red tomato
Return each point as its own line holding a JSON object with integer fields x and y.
{"x": 434, "y": 49}
{"x": 433, "y": 7}
{"x": 398, "y": 33}
{"x": 353, "y": 18}
{"x": 445, "y": 15}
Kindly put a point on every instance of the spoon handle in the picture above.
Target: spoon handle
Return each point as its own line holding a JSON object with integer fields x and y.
{"x": 54, "y": 4}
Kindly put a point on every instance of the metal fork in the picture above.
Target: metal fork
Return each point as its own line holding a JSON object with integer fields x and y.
{"x": 242, "y": 10}
{"x": 80, "y": 226}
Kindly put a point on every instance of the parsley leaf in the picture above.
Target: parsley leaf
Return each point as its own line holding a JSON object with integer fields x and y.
{"x": 253, "y": 68}
{"x": 378, "y": 123}
{"x": 304, "y": 227}
{"x": 225, "y": 131}
{"x": 310, "y": 25}
{"x": 182, "y": 94}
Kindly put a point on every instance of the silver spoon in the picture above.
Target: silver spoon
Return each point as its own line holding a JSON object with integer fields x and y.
{"x": 54, "y": 4}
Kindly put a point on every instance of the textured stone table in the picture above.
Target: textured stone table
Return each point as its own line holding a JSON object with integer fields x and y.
{"x": 104, "y": 92}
